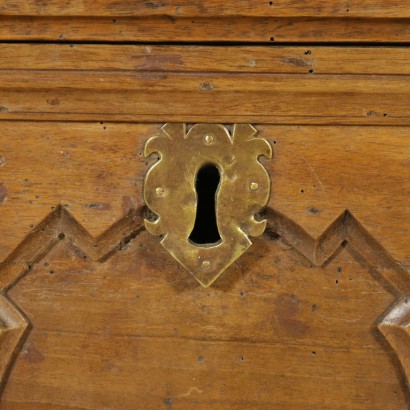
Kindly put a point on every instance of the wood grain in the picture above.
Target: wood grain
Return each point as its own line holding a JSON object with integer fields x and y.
{"x": 95, "y": 314}
{"x": 207, "y": 59}
{"x": 195, "y": 341}
{"x": 268, "y": 30}
{"x": 96, "y": 171}
{"x": 212, "y": 8}
{"x": 139, "y": 97}
{"x": 317, "y": 293}
{"x": 283, "y": 85}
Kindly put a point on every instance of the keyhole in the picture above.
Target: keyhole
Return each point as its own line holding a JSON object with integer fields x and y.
{"x": 206, "y": 229}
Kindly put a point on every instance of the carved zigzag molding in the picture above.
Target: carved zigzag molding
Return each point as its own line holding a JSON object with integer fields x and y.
{"x": 394, "y": 324}
{"x": 58, "y": 225}
{"x": 61, "y": 225}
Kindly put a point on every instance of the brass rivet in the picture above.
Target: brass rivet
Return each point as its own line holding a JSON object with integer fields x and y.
{"x": 254, "y": 186}
{"x": 206, "y": 265}
{"x": 209, "y": 139}
{"x": 159, "y": 191}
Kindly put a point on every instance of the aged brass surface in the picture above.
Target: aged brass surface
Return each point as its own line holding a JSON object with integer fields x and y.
{"x": 170, "y": 192}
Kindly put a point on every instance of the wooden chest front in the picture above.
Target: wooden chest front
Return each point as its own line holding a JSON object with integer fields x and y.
{"x": 96, "y": 312}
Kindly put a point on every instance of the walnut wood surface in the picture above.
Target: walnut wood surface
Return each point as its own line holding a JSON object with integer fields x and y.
{"x": 243, "y": 21}
{"x": 268, "y": 30}
{"x": 295, "y": 323}
{"x": 203, "y": 58}
{"x": 239, "y": 21}
{"x": 213, "y": 8}
{"x": 286, "y": 85}
{"x": 95, "y": 314}
{"x": 97, "y": 170}
{"x": 151, "y": 336}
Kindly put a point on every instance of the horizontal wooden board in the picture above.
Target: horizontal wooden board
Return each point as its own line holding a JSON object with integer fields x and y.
{"x": 212, "y": 8}
{"x": 276, "y": 99}
{"x": 241, "y": 59}
{"x": 291, "y": 85}
{"x": 207, "y": 83}
{"x": 293, "y": 323}
{"x": 203, "y": 29}
{"x": 96, "y": 171}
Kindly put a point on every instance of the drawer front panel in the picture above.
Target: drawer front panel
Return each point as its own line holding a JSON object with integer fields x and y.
{"x": 95, "y": 313}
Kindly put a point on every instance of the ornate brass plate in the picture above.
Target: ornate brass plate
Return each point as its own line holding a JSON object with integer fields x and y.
{"x": 171, "y": 191}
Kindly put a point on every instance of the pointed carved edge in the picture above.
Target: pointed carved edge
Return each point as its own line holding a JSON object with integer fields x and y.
{"x": 58, "y": 225}
{"x": 395, "y": 322}
{"x": 13, "y": 326}
{"x": 395, "y": 327}
{"x": 61, "y": 225}
{"x": 345, "y": 228}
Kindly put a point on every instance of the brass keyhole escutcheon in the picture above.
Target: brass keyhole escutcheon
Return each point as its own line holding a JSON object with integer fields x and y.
{"x": 206, "y": 189}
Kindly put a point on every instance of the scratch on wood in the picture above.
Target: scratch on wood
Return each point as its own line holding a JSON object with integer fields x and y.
{"x": 191, "y": 390}
{"x": 320, "y": 183}
{"x": 296, "y": 61}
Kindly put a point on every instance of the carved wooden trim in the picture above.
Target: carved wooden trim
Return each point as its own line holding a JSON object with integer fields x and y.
{"x": 395, "y": 327}
{"x": 13, "y": 325}
{"x": 61, "y": 225}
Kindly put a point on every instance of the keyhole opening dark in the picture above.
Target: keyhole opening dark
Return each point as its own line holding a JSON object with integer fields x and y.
{"x": 206, "y": 229}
